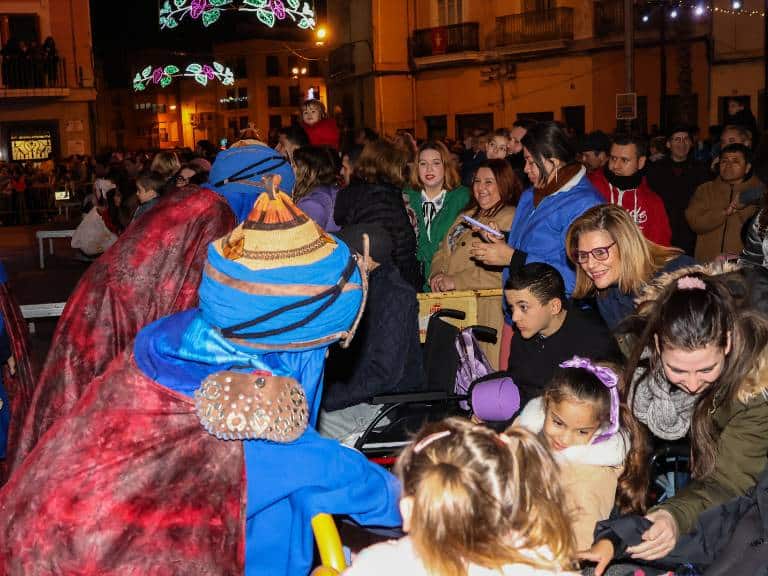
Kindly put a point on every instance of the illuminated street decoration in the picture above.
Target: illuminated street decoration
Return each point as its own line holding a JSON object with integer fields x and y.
{"x": 31, "y": 146}
{"x": 164, "y": 75}
{"x": 269, "y": 12}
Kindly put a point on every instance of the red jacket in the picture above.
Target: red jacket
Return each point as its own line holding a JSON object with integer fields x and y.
{"x": 643, "y": 204}
{"x": 324, "y": 133}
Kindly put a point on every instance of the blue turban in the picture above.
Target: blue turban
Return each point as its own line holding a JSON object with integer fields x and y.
{"x": 237, "y": 175}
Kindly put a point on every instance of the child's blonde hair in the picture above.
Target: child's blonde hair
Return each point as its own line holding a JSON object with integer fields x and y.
{"x": 483, "y": 498}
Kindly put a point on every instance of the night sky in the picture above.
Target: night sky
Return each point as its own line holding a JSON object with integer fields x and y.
{"x": 122, "y": 30}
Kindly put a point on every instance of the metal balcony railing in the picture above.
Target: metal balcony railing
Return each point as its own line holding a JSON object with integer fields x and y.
{"x": 537, "y": 26}
{"x": 18, "y": 72}
{"x": 446, "y": 40}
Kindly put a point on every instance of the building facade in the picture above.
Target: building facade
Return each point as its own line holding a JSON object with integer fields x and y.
{"x": 443, "y": 67}
{"x": 47, "y": 79}
{"x": 271, "y": 80}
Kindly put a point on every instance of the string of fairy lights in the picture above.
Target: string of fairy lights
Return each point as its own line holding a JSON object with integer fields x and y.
{"x": 675, "y": 10}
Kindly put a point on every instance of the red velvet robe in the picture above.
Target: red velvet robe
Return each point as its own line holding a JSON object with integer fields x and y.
{"x": 128, "y": 483}
{"x": 153, "y": 270}
{"x": 21, "y": 385}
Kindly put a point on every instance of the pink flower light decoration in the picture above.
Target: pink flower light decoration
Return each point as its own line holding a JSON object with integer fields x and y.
{"x": 198, "y": 7}
{"x": 279, "y": 9}
{"x": 157, "y": 75}
{"x": 208, "y": 71}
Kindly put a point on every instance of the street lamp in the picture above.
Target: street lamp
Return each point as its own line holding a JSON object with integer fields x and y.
{"x": 321, "y": 35}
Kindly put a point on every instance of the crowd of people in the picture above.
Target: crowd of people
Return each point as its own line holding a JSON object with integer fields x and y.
{"x": 203, "y": 379}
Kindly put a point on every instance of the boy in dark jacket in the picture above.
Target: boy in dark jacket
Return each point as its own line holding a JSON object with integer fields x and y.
{"x": 385, "y": 355}
{"x": 549, "y": 330}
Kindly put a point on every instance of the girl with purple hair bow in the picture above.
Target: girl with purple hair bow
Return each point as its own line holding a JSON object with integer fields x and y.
{"x": 598, "y": 444}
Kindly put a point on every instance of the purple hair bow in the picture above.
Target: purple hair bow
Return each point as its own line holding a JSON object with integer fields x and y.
{"x": 610, "y": 380}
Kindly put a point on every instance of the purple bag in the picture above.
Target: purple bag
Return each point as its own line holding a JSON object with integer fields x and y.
{"x": 472, "y": 364}
{"x": 495, "y": 399}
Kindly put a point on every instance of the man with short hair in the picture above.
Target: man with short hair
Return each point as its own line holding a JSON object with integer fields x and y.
{"x": 675, "y": 179}
{"x": 623, "y": 183}
{"x": 595, "y": 148}
{"x": 548, "y": 329}
{"x": 715, "y": 213}
{"x": 740, "y": 115}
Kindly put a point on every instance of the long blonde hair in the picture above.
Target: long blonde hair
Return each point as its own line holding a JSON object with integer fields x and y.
{"x": 485, "y": 499}
{"x": 640, "y": 258}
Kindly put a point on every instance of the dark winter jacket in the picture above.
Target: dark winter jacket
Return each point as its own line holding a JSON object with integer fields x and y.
{"x": 676, "y": 183}
{"x": 728, "y": 539}
{"x": 382, "y": 204}
{"x": 385, "y": 355}
{"x": 532, "y": 362}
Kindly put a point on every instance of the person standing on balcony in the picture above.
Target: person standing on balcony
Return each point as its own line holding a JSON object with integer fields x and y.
{"x": 675, "y": 178}
{"x": 51, "y": 62}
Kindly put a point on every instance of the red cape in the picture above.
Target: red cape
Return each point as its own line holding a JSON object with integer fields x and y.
{"x": 127, "y": 483}
{"x": 153, "y": 270}
{"x": 21, "y": 385}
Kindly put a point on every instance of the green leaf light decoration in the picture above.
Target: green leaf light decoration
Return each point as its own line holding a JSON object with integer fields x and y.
{"x": 268, "y": 12}
{"x": 163, "y": 75}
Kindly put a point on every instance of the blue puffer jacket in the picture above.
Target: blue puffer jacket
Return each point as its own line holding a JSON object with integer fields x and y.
{"x": 538, "y": 232}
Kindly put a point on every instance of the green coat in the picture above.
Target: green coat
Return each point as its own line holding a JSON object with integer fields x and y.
{"x": 455, "y": 202}
{"x": 742, "y": 454}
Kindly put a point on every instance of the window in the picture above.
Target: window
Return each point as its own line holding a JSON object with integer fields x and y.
{"x": 313, "y": 68}
{"x": 242, "y": 97}
{"x": 294, "y": 95}
{"x": 275, "y": 122}
{"x": 236, "y": 98}
{"x": 294, "y": 119}
{"x": 243, "y": 122}
{"x": 238, "y": 67}
{"x": 273, "y": 65}
{"x": 449, "y": 12}
{"x": 273, "y": 96}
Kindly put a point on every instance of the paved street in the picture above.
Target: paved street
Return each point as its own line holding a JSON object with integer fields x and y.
{"x": 19, "y": 254}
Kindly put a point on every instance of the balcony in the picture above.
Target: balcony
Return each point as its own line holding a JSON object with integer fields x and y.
{"x": 609, "y": 21}
{"x": 555, "y": 25}
{"x": 453, "y": 39}
{"x": 25, "y": 77}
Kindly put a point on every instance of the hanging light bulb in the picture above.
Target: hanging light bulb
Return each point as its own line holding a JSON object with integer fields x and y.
{"x": 699, "y": 10}
{"x": 736, "y": 4}
{"x": 645, "y": 18}
{"x": 673, "y": 13}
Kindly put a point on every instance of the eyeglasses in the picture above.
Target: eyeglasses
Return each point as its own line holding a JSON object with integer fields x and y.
{"x": 600, "y": 254}
{"x": 499, "y": 147}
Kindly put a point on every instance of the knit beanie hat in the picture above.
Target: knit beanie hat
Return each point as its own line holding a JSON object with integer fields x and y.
{"x": 279, "y": 282}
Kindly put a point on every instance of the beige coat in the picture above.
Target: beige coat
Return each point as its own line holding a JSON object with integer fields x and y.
{"x": 589, "y": 475}
{"x": 453, "y": 259}
{"x": 716, "y": 233}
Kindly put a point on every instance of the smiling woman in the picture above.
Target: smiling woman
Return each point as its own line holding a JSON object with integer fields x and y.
{"x": 706, "y": 371}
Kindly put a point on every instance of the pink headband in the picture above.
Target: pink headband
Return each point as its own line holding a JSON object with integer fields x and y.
{"x": 610, "y": 380}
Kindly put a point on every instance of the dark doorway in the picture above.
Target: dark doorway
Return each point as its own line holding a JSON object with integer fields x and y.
{"x": 437, "y": 127}
{"x": 574, "y": 118}
{"x": 466, "y": 123}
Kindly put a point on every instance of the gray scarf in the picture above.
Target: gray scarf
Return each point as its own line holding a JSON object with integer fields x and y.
{"x": 664, "y": 408}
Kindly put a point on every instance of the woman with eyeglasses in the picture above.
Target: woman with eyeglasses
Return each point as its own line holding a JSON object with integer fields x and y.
{"x": 560, "y": 192}
{"x": 614, "y": 260}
